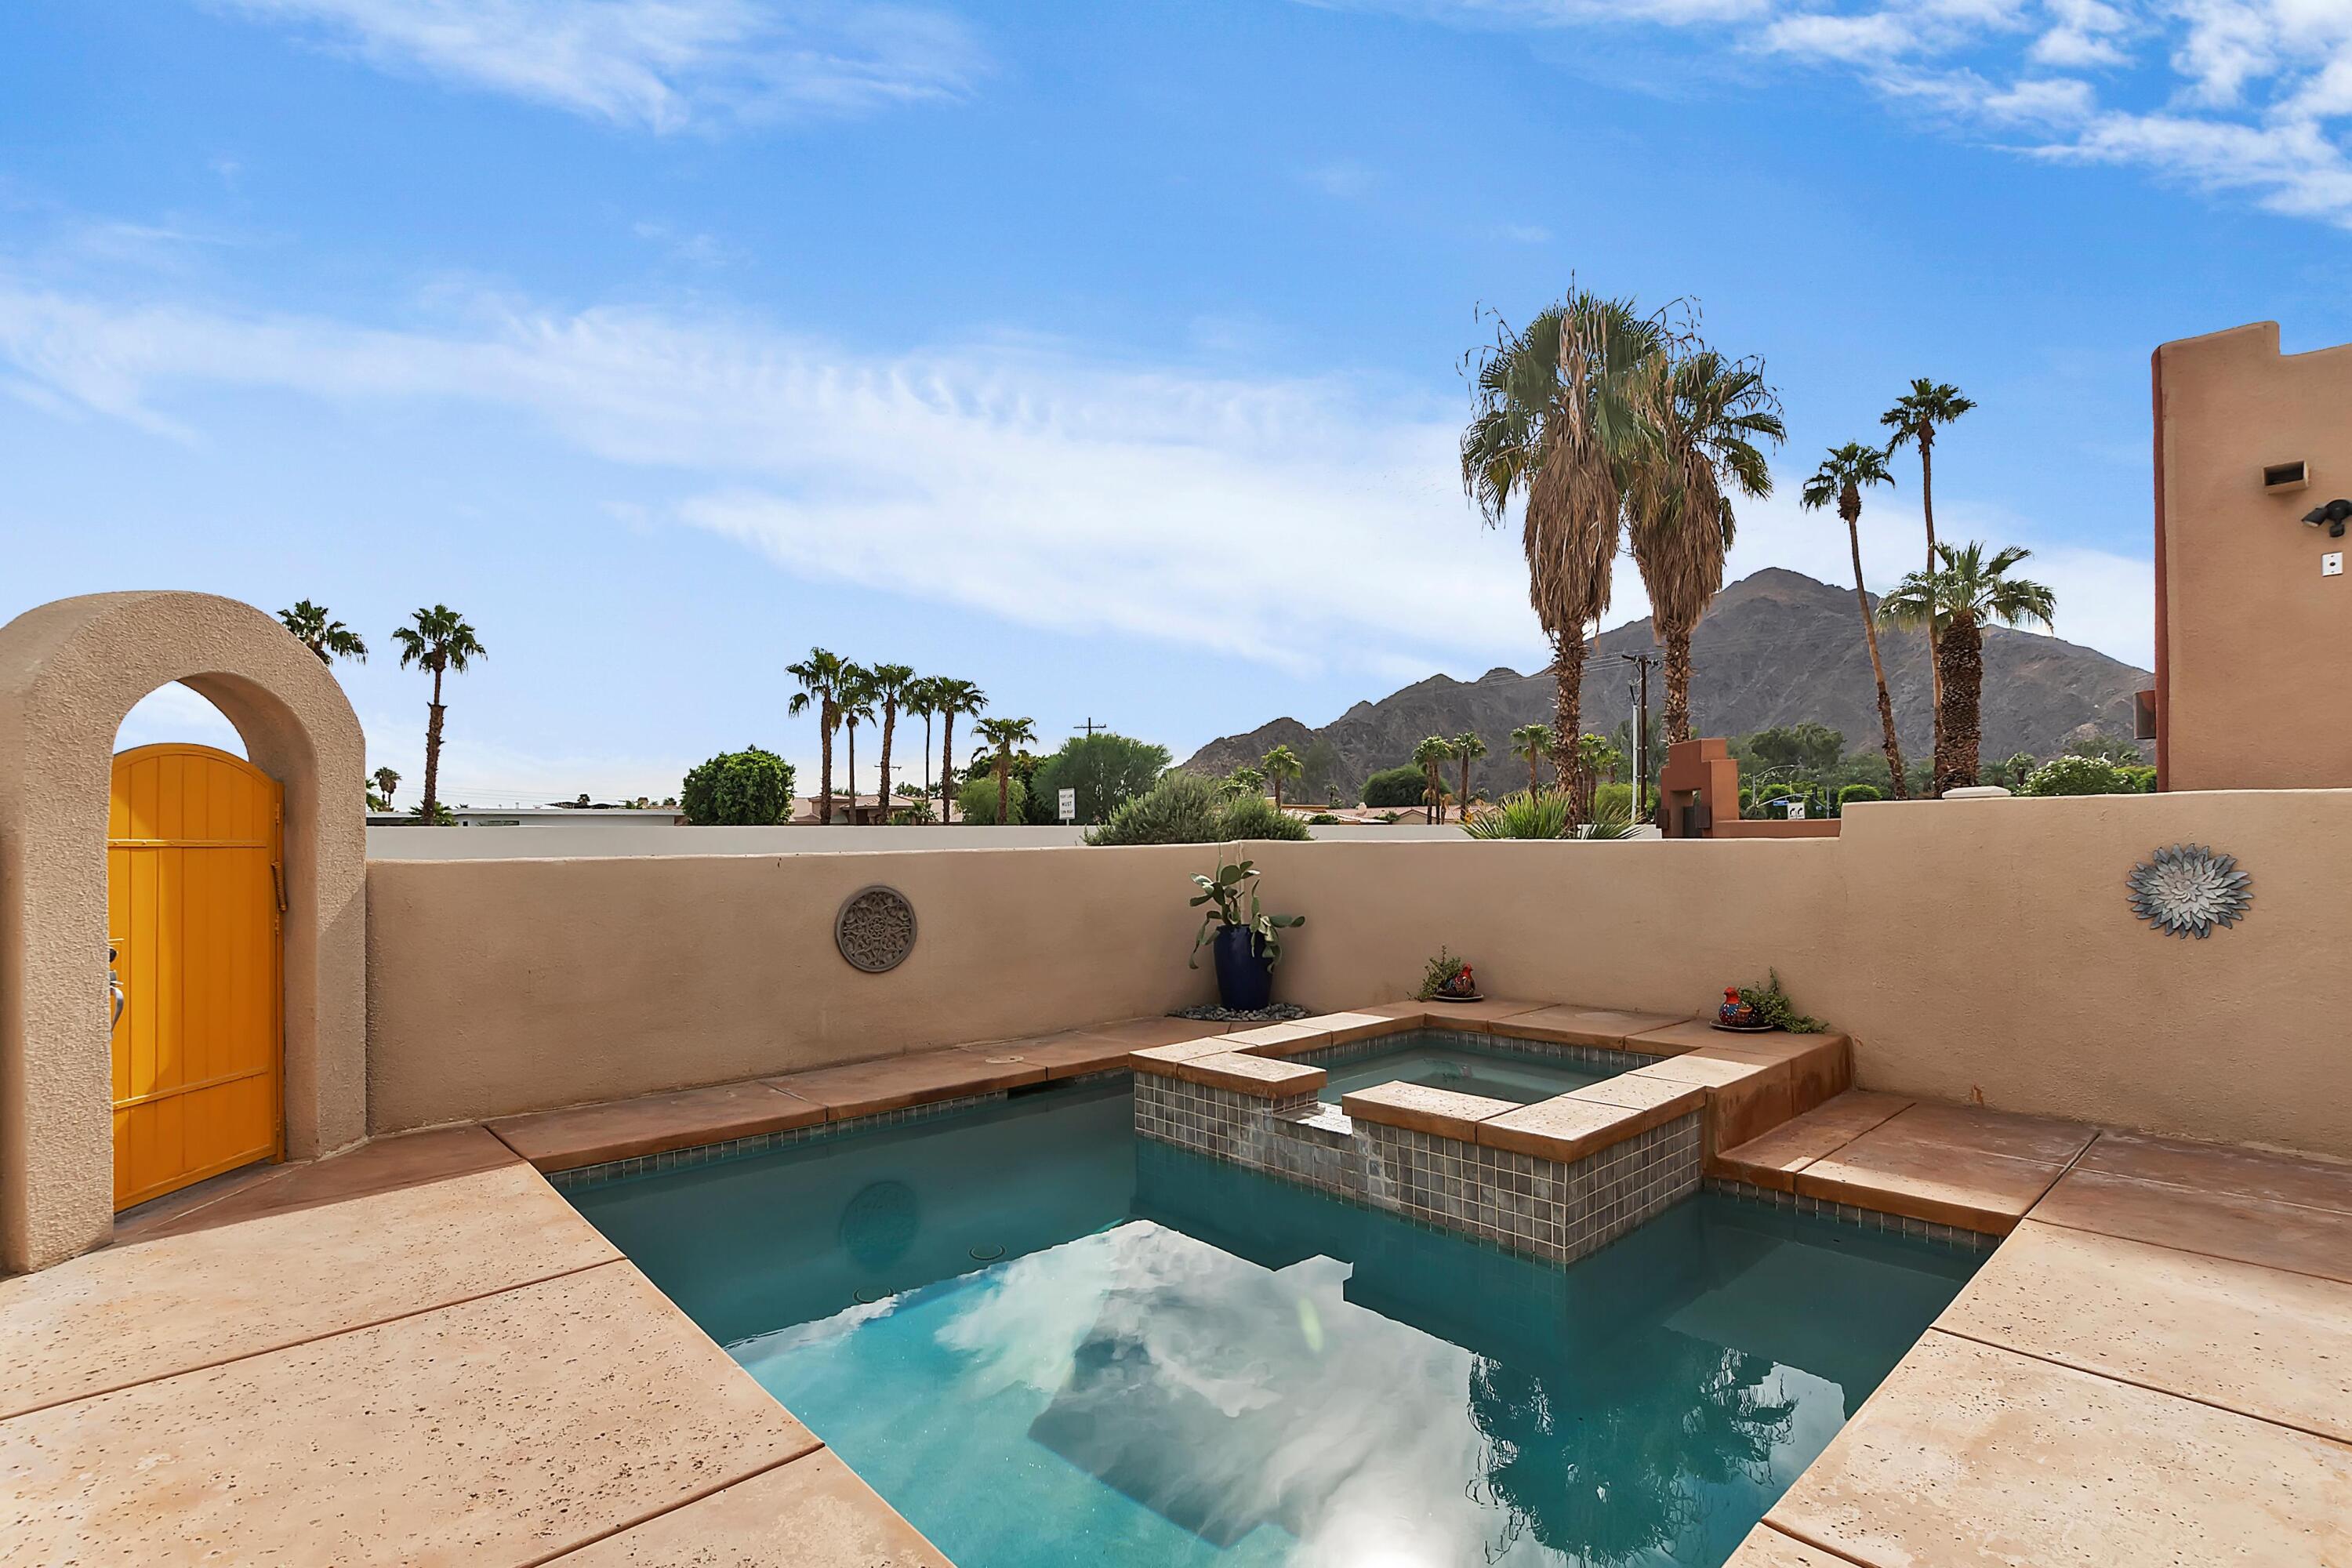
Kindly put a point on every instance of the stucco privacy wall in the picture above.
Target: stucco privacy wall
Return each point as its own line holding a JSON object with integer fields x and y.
{"x": 1971, "y": 946}
{"x": 69, "y": 671}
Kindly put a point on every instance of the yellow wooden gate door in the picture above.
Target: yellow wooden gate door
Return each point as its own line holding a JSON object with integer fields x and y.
{"x": 192, "y": 875}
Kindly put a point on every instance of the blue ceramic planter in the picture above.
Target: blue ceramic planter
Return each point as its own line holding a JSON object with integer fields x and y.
{"x": 1244, "y": 977}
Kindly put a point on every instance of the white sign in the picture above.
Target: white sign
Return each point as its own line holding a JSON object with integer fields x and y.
{"x": 1069, "y": 805}
{"x": 1796, "y": 809}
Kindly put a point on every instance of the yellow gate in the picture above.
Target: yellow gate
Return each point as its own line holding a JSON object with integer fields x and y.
{"x": 193, "y": 880}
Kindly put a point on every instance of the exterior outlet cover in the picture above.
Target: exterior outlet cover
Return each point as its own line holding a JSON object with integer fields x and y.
{"x": 2332, "y": 563}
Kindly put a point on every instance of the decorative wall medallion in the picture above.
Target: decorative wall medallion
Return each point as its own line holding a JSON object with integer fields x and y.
{"x": 875, "y": 929}
{"x": 2187, "y": 890}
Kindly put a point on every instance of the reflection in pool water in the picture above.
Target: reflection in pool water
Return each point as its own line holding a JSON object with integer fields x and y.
{"x": 1207, "y": 1366}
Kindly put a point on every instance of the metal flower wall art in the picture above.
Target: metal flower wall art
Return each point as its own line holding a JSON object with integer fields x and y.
{"x": 2186, "y": 891}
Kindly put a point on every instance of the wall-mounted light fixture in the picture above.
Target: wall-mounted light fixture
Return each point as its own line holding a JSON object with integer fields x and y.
{"x": 2281, "y": 476}
{"x": 2330, "y": 517}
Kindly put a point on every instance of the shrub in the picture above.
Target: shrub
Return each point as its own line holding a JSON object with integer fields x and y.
{"x": 2142, "y": 779}
{"x": 976, "y": 801}
{"x": 1772, "y": 1007}
{"x": 1396, "y": 786}
{"x": 1182, "y": 808}
{"x": 1853, "y": 793}
{"x": 1254, "y": 816}
{"x": 1321, "y": 819}
{"x": 2078, "y": 776}
{"x": 750, "y": 788}
{"x": 1521, "y": 816}
{"x": 1105, "y": 770}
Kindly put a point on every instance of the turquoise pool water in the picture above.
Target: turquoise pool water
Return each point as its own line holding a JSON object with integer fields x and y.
{"x": 1421, "y": 1058}
{"x": 1048, "y": 1343}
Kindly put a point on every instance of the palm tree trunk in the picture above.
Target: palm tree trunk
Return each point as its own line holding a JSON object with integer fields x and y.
{"x": 1958, "y": 738}
{"x": 1462, "y": 805}
{"x": 927, "y": 757}
{"x": 1877, "y": 670}
{"x": 433, "y": 713}
{"x": 947, "y": 767}
{"x": 853, "y": 772}
{"x": 1534, "y": 784}
{"x": 1004, "y": 790}
{"x": 1935, "y": 660}
{"x": 1567, "y": 725}
{"x": 1678, "y": 673}
{"x": 882, "y": 788}
{"x": 824, "y": 764}
{"x": 1277, "y": 792}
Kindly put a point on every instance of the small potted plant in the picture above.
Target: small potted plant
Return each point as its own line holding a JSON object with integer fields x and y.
{"x": 1243, "y": 939}
{"x": 1449, "y": 979}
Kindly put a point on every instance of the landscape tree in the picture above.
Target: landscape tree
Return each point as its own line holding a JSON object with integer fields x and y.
{"x": 1322, "y": 775}
{"x": 1839, "y": 481}
{"x": 1914, "y": 418}
{"x": 440, "y": 640}
{"x": 2018, "y": 769}
{"x": 1004, "y": 735}
{"x": 323, "y": 635}
{"x": 1711, "y": 411}
{"x": 750, "y": 788}
{"x": 1531, "y": 743}
{"x": 951, "y": 697}
{"x": 1281, "y": 766}
{"x": 1966, "y": 590}
{"x": 1807, "y": 747}
{"x": 386, "y": 783}
{"x": 922, "y": 697}
{"x": 1244, "y": 780}
{"x": 854, "y": 704}
{"x": 1467, "y": 749}
{"x": 1105, "y": 770}
{"x": 820, "y": 676}
{"x": 1405, "y": 784}
{"x": 1559, "y": 414}
{"x": 890, "y": 684}
{"x": 1432, "y": 754}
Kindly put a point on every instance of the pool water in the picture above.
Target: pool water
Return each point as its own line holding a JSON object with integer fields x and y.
{"x": 1466, "y": 1070}
{"x": 1047, "y": 1342}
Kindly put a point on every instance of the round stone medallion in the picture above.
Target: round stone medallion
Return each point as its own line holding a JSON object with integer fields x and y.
{"x": 875, "y": 929}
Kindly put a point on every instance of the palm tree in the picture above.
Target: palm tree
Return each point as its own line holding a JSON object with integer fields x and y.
{"x": 1243, "y": 782}
{"x": 1531, "y": 743}
{"x": 323, "y": 635}
{"x": 1432, "y": 754}
{"x": 1914, "y": 417}
{"x": 1281, "y": 763}
{"x": 1559, "y": 414}
{"x": 922, "y": 697}
{"x": 1004, "y": 735}
{"x": 1964, "y": 592}
{"x": 952, "y": 696}
{"x": 386, "y": 781}
{"x": 892, "y": 683}
{"x": 820, "y": 678}
{"x": 1840, "y": 479}
{"x": 441, "y": 641}
{"x": 1712, "y": 414}
{"x": 1467, "y": 749}
{"x": 854, "y": 704}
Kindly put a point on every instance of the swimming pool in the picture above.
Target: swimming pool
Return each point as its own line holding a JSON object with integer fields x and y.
{"x": 1496, "y": 1068}
{"x": 1045, "y": 1340}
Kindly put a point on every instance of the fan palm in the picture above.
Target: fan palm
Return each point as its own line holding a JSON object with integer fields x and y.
{"x": 1242, "y": 783}
{"x": 1712, "y": 414}
{"x": 1431, "y": 756}
{"x": 1914, "y": 417}
{"x": 951, "y": 697}
{"x": 854, "y": 704}
{"x": 1531, "y": 743}
{"x": 820, "y": 678}
{"x": 1467, "y": 749}
{"x": 923, "y": 699}
{"x": 323, "y": 635}
{"x": 1839, "y": 481}
{"x": 1560, "y": 414}
{"x": 1004, "y": 735}
{"x": 1281, "y": 765}
{"x": 440, "y": 640}
{"x": 1965, "y": 590}
{"x": 386, "y": 781}
{"x": 891, "y": 683}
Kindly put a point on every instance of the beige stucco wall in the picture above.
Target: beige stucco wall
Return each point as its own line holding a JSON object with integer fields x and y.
{"x": 1972, "y": 947}
{"x": 2255, "y": 656}
{"x": 69, "y": 671}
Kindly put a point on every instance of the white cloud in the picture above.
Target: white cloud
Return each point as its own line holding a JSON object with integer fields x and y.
{"x": 658, "y": 64}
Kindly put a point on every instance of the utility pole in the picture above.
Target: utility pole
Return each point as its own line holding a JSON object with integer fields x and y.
{"x": 1090, "y": 727}
{"x": 1637, "y": 686}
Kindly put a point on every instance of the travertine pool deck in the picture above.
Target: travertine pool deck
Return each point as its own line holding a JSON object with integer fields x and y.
{"x": 418, "y": 1353}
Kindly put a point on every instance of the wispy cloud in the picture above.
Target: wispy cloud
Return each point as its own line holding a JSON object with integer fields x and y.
{"x": 661, "y": 65}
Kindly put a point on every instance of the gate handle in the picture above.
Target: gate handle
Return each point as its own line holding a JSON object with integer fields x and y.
{"x": 114, "y": 991}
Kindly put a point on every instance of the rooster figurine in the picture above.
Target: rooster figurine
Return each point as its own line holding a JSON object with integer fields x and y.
{"x": 1734, "y": 1013}
{"x": 1462, "y": 983}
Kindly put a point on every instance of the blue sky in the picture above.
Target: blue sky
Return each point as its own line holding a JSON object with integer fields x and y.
{"x": 1107, "y": 355}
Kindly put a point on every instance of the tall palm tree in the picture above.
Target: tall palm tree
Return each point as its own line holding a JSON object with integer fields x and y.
{"x": 891, "y": 684}
{"x": 854, "y": 704}
{"x": 819, "y": 678}
{"x": 1467, "y": 749}
{"x": 323, "y": 635}
{"x": 1559, "y": 414}
{"x": 922, "y": 697}
{"x": 441, "y": 641}
{"x": 1531, "y": 743}
{"x": 1964, "y": 592}
{"x": 1004, "y": 735}
{"x": 1839, "y": 480}
{"x": 1914, "y": 417}
{"x": 951, "y": 697}
{"x": 1281, "y": 763}
{"x": 1712, "y": 413}
{"x": 386, "y": 781}
{"x": 1432, "y": 754}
